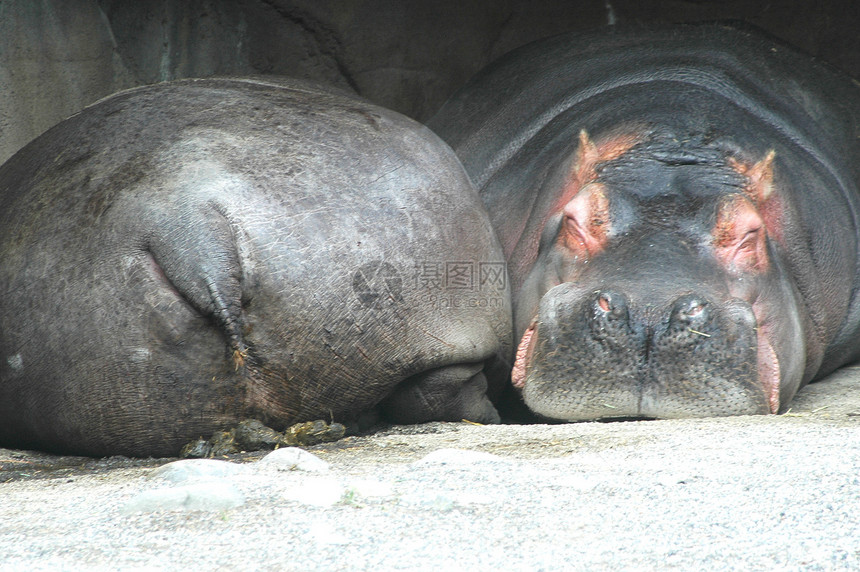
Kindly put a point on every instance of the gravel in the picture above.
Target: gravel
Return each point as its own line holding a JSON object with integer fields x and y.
{"x": 751, "y": 493}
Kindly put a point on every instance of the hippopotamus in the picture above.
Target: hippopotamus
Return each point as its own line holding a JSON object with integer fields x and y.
{"x": 678, "y": 208}
{"x": 179, "y": 257}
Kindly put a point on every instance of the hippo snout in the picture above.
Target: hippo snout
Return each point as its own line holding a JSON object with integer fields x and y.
{"x": 606, "y": 354}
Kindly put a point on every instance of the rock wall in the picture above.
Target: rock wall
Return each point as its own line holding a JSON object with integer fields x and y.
{"x": 57, "y": 56}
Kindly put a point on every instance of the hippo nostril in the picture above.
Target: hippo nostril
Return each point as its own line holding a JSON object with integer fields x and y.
{"x": 691, "y": 310}
{"x": 605, "y": 302}
{"x": 694, "y": 311}
{"x": 612, "y": 305}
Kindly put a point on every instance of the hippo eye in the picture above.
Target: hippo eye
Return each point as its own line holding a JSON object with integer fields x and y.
{"x": 575, "y": 231}
{"x": 740, "y": 236}
{"x": 750, "y": 238}
{"x": 748, "y": 246}
{"x": 587, "y": 221}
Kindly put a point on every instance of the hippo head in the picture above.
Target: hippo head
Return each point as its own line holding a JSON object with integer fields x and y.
{"x": 655, "y": 287}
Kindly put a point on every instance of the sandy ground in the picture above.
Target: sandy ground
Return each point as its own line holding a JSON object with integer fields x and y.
{"x": 751, "y": 493}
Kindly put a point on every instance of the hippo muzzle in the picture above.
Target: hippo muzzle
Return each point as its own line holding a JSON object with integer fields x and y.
{"x": 600, "y": 356}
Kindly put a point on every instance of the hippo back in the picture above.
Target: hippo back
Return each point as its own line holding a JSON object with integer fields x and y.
{"x": 181, "y": 256}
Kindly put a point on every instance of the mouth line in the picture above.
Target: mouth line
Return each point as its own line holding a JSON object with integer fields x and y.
{"x": 523, "y": 356}
{"x": 768, "y": 371}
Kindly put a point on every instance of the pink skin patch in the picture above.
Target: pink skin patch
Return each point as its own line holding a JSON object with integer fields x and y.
{"x": 524, "y": 354}
{"x": 740, "y": 237}
{"x": 740, "y": 244}
{"x": 768, "y": 368}
{"x": 761, "y": 190}
{"x": 586, "y": 230}
{"x": 588, "y": 156}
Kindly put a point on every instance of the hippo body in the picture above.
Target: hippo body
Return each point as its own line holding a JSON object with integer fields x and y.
{"x": 178, "y": 257}
{"x": 679, "y": 212}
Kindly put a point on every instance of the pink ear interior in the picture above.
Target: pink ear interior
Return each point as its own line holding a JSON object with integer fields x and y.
{"x": 759, "y": 177}
{"x": 744, "y": 222}
{"x": 522, "y": 249}
{"x": 588, "y": 156}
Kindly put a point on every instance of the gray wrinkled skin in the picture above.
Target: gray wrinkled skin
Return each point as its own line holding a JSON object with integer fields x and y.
{"x": 654, "y": 321}
{"x": 179, "y": 257}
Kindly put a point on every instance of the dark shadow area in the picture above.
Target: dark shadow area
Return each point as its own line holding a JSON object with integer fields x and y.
{"x": 58, "y": 56}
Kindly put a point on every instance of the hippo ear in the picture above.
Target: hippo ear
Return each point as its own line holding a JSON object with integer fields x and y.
{"x": 759, "y": 177}
{"x": 584, "y": 201}
{"x": 761, "y": 189}
{"x": 589, "y": 155}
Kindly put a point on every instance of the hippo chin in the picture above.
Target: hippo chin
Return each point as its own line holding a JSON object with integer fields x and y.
{"x": 179, "y": 257}
{"x": 678, "y": 211}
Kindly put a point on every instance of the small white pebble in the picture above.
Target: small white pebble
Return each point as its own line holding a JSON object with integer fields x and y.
{"x": 293, "y": 459}
{"x": 210, "y": 496}
{"x": 197, "y": 469}
{"x": 316, "y": 492}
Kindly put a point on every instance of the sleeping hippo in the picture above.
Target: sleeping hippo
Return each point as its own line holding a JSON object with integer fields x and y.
{"x": 679, "y": 212}
{"x": 179, "y": 257}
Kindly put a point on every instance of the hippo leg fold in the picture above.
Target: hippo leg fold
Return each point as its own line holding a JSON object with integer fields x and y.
{"x": 452, "y": 393}
{"x": 195, "y": 252}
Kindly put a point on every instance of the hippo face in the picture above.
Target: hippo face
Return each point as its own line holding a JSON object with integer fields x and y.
{"x": 657, "y": 288}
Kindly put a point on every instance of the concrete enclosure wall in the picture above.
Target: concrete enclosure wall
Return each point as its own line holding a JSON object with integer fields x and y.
{"x": 57, "y": 56}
